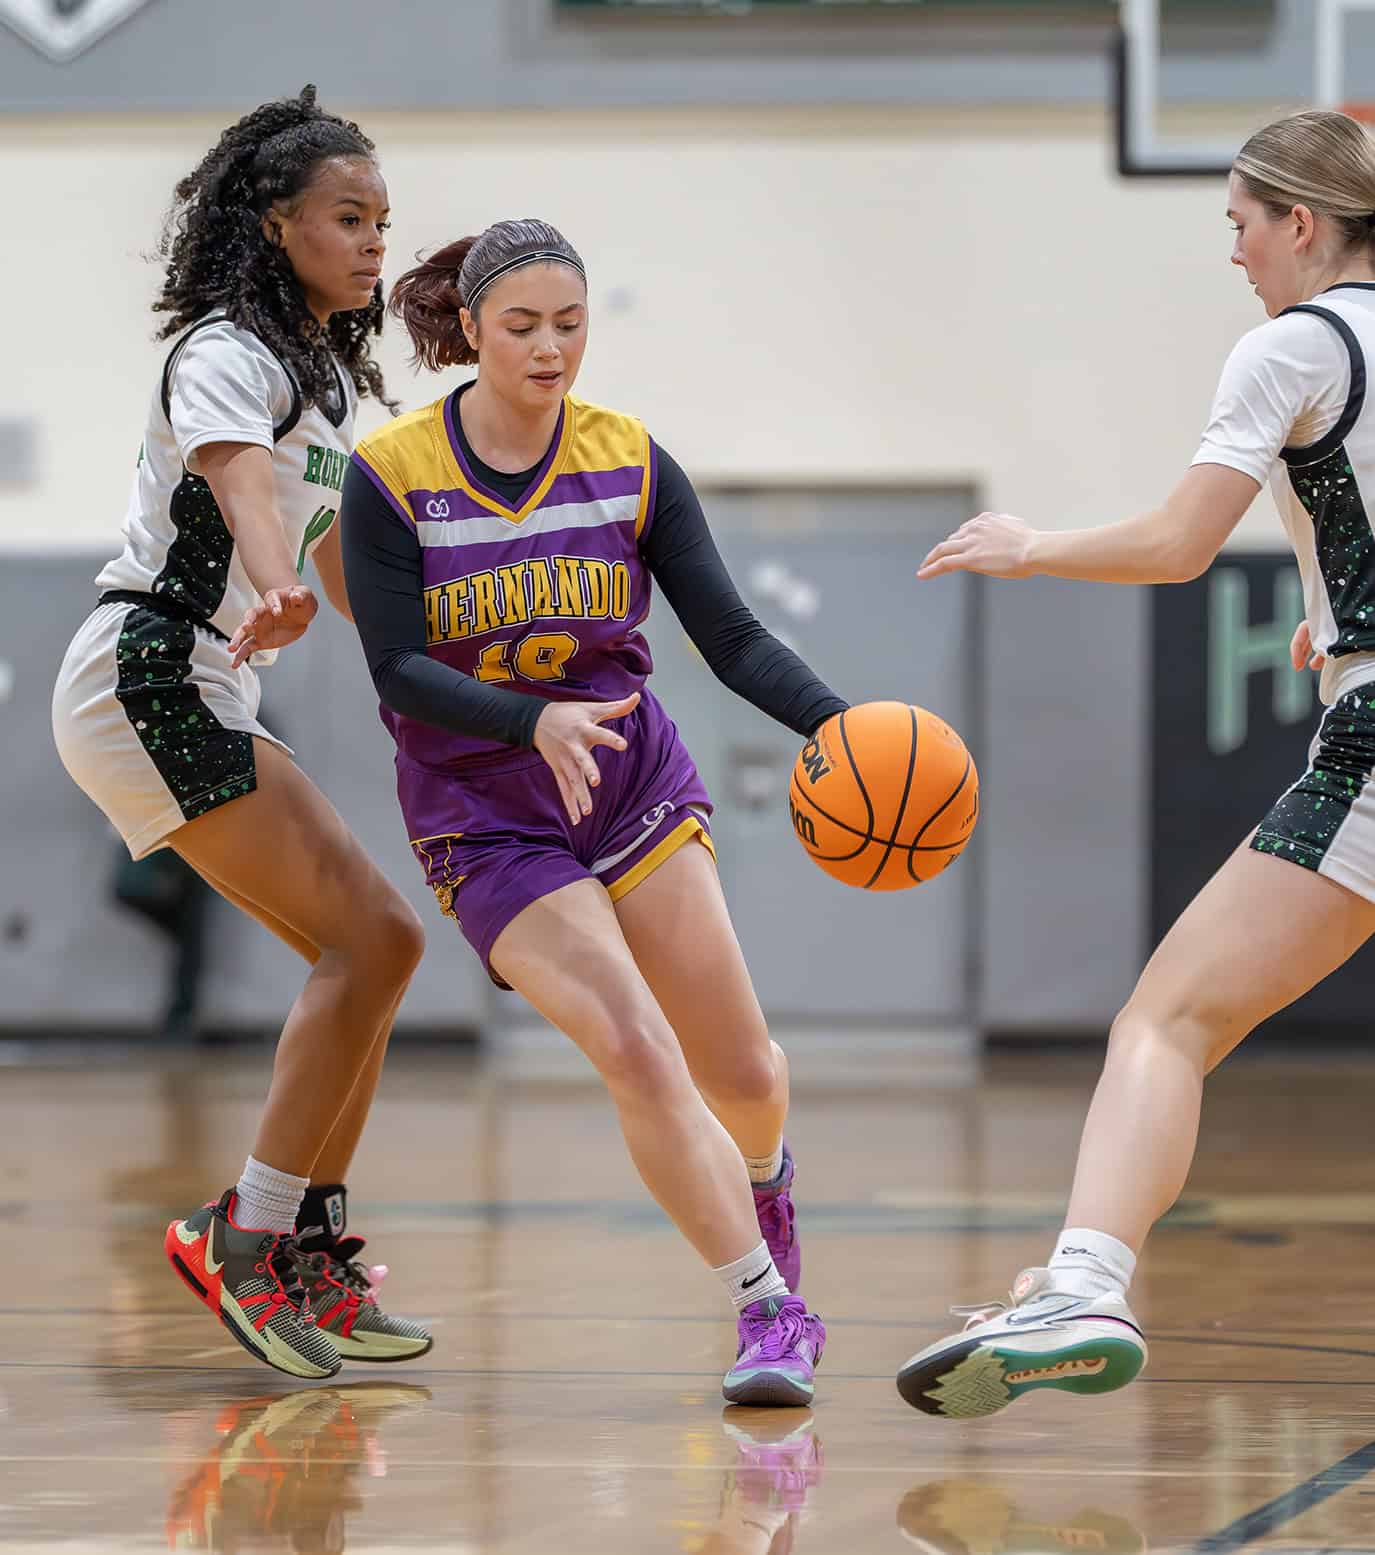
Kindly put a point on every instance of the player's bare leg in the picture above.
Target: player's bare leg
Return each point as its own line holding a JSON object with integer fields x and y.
{"x": 1259, "y": 935}
{"x": 336, "y": 1157}
{"x": 678, "y": 927}
{"x": 284, "y": 848}
{"x": 342, "y": 1278}
{"x": 283, "y": 854}
{"x": 567, "y": 955}
{"x": 334, "y": 1161}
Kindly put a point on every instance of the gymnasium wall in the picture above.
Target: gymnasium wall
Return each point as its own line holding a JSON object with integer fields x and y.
{"x": 914, "y": 299}
{"x": 839, "y": 294}
{"x": 888, "y": 258}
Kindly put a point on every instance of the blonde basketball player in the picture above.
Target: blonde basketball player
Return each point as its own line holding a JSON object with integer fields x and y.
{"x": 1297, "y": 898}
{"x": 274, "y": 254}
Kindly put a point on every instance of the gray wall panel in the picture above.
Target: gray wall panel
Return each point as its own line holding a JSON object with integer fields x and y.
{"x": 1067, "y": 725}
{"x": 67, "y": 954}
{"x": 818, "y": 950}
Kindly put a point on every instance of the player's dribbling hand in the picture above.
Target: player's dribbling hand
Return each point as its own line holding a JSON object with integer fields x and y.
{"x": 1301, "y": 654}
{"x": 565, "y": 735}
{"x": 281, "y": 618}
{"x": 993, "y": 543}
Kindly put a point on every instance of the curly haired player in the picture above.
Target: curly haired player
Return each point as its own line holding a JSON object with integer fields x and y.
{"x": 273, "y": 261}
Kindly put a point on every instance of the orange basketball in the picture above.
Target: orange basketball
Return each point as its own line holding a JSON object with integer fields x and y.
{"x": 884, "y": 795}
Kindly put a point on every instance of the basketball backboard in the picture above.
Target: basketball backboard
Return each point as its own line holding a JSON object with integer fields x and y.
{"x": 1193, "y": 80}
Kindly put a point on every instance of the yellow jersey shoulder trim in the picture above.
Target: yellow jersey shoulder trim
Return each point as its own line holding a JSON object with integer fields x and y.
{"x": 405, "y": 454}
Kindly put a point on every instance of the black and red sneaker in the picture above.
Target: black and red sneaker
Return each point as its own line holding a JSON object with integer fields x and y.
{"x": 345, "y": 1304}
{"x": 250, "y": 1280}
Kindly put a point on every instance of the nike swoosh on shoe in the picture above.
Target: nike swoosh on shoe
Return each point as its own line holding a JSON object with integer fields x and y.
{"x": 211, "y": 1267}
{"x": 1023, "y": 1320}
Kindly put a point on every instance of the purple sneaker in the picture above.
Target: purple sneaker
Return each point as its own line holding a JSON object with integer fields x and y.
{"x": 774, "y": 1206}
{"x": 780, "y": 1349}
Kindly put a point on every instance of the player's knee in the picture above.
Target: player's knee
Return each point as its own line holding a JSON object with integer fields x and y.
{"x": 752, "y": 1074}
{"x": 407, "y": 937}
{"x": 638, "y": 1060}
{"x": 395, "y": 939}
{"x": 1144, "y": 1030}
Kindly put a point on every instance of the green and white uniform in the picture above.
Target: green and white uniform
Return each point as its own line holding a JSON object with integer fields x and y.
{"x": 149, "y": 717}
{"x": 1293, "y": 408}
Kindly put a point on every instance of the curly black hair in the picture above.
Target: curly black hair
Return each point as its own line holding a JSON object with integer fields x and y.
{"x": 218, "y": 257}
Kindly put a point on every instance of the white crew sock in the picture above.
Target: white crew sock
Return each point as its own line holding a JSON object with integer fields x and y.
{"x": 268, "y": 1200}
{"x": 1091, "y": 1263}
{"x": 751, "y": 1278}
{"x": 765, "y": 1169}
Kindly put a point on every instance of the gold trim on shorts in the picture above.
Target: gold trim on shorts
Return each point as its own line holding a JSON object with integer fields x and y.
{"x": 683, "y": 832}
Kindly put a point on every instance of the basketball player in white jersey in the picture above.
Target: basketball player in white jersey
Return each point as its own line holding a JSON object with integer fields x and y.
{"x": 274, "y": 255}
{"x": 1297, "y": 898}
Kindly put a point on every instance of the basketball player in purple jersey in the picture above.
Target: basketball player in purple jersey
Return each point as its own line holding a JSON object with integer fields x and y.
{"x": 499, "y": 549}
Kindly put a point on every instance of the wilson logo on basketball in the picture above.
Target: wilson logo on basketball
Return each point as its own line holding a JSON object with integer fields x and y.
{"x": 813, "y": 761}
{"x": 802, "y": 824}
{"x": 883, "y": 796}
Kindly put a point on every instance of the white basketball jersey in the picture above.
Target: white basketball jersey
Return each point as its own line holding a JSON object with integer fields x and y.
{"x": 222, "y": 384}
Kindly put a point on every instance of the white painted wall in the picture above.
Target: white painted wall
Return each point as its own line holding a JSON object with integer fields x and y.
{"x": 836, "y": 295}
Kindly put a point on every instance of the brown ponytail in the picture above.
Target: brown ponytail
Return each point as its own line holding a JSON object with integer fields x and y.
{"x": 426, "y": 300}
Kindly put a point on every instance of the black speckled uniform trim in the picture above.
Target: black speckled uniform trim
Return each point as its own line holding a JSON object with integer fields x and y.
{"x": 1303, "y": 823}
{"x": 203, "y": 764}
{"x": 195, "y": 574}
{"x": 1324, "y": 481}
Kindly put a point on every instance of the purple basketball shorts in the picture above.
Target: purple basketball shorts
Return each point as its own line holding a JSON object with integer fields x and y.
{"x": 495, "y": 837}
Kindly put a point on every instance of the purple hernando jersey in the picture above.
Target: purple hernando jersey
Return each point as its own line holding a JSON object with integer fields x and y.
{"x": 545, "y": 598}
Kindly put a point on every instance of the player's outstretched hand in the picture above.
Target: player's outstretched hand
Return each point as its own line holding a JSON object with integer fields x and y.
{"x": 1301, "y": 654}
{"x": 565, "y": 735}
{"x": 993, "y": 543}
{"x": 281, "y": 618}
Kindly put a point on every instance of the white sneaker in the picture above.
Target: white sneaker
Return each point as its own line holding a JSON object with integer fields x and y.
{"x": 1045, "y": 1339}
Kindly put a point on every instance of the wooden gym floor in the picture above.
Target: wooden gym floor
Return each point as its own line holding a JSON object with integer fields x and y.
{"x": 571, "y": 1401}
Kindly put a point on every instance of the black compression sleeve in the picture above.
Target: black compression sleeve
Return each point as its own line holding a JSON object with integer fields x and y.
{"x": 383, "y": 573}
{"x": 741, "y": 652}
